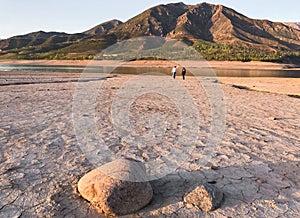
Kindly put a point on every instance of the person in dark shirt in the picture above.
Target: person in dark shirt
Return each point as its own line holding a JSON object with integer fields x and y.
{"x": 183, "y": 72}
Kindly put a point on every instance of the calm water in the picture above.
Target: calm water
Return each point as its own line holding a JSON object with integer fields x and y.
{"x": 41, "y": 68}
{"x": 139, "y": 70}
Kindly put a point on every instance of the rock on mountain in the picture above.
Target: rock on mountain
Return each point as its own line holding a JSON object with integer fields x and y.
{"x": 104, "y": 27}
{"x": 295, "y": 25}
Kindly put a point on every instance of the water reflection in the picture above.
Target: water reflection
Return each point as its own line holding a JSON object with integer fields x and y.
{"x": 257, "y": 73}
{"x": 46, "y": 68}
{"x": 287, "y": 73}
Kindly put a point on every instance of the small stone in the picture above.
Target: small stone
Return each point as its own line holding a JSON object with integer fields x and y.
{"x": 260, "y": 181}
{"x": 117, "y": 188}
{"x": 207, "y": 197}
{"x": 211, "y": 166}
{"x": 272, "y": 118}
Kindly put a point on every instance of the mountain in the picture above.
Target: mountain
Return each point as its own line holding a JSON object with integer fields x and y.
{"x": 214, "y": 25}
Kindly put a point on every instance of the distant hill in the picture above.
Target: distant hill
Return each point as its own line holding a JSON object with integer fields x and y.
{"x": 214, "y": 28}
{"x": 37, "y": 39}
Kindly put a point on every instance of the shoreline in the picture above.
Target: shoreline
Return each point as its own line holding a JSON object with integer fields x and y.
{"x": 276, "y": 85}
{"x": 151, "y": 63}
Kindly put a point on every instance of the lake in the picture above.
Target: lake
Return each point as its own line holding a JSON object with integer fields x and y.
{"x": 220, "y": 72}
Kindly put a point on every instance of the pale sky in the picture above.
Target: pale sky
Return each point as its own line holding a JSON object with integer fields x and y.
{"x": 19, "y": 17}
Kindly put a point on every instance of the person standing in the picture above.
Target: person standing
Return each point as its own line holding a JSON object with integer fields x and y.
{"x": 174, "y": 70}
{"x": 183, "y": 72}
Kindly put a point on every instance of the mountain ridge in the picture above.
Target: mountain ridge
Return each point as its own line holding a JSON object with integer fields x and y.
{"x": 215, "y": 24}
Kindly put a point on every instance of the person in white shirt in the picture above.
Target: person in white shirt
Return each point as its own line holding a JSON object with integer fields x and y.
{"x": 174, "y": 70}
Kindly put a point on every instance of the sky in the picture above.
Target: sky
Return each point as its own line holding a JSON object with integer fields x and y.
{"x": 19, "y": 17}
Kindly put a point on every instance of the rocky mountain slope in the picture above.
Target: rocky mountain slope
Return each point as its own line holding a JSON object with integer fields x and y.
{"x": 103, "y": 28}
{"x": 295, "y": 25}
{"x": 214, "y": 23}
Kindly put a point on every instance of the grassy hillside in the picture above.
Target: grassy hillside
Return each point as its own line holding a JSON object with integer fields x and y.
{"x": 229, "y": 52}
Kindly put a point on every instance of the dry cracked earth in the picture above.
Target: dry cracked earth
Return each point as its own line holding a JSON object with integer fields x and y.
{"x": 256, "y": 164}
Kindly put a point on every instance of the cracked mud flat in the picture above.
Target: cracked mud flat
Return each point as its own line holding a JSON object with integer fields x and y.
{"x": 41, "y": 162}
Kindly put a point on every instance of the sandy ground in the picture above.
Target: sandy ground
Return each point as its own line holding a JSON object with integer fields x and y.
{"x": 287, "y": 86}
{"x": 257, "y": 161}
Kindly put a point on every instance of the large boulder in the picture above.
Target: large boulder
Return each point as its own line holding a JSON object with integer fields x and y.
{"x": 207, "y": 197}
{"x": 117, "y": 188}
